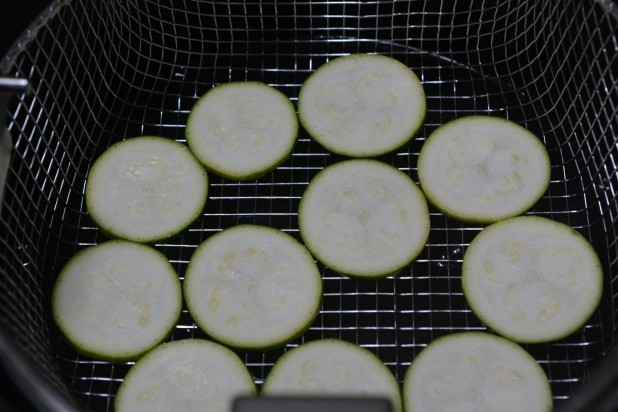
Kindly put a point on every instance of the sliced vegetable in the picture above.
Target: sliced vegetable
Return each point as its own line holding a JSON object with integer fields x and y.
{"x": 186, "y": 375}
{"x": 332, "y": 367}
{"x": 116, "y": 300}
{"x": 242, "y": 130}
{"x": 362, "y": 105}
{"x": 363, "y": 218}
{"x": 483, "y": 169}
{"x": 532, "y": 279}
{"x": 146, "y": 189}
{"x": 475, "y": 371}
{"x": 253, "y": 287}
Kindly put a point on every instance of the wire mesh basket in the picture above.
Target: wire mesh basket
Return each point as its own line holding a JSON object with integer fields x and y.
{"x": 102, "y": 71}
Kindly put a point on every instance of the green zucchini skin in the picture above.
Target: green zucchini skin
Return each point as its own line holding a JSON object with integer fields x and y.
{"x": 242, "y": 130}
{"x": 472, "y": 371}
{"x": 146, "y": 189}
{"x": 364, "y": 218}
{"x": 481, "y": 169}
{"x": 116, "y": 300}
{"x": 253, "y": 287}
{"x": 532, "y": 279}
{"x": 188, "y": 375}
{"x": 332, "y": 367}
{"x": 362, "y": 105}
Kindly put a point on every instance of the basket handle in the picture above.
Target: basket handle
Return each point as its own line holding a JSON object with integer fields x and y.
{"x": 12, "y": 84}
{"x": 8, "y": 86}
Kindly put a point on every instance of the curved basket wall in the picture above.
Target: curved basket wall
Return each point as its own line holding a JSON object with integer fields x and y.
{"x": 102, "y": 71}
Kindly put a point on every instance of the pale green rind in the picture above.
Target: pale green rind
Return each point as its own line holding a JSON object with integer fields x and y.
{"x": 317, "y": 247}
{"x": 118, "y": 229}
{"x": 454, "y": 210}
{"x": 329, "y": 141}
{"x": 578, "y": 316}
{"x": 195, "y": 271}
{"x": 417, "y": 382}
{"x": 367, "y": 370}
{"x": 171, "y": 376}
{"x": 230, "y": 171}
{"x": 63, "y": 320}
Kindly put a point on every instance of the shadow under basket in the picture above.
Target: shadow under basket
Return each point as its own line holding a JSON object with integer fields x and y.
{"x": 103, "y": 71}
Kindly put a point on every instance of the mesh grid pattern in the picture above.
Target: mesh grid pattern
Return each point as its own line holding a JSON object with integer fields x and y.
{"x": 104, "y": 71}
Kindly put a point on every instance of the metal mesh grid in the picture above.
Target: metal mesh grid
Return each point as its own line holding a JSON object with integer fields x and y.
{"x": 103, "y": 71}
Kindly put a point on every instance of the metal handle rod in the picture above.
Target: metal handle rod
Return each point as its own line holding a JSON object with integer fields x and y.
{"x": 12, "y": 84}
{"x": 8, "y": 86}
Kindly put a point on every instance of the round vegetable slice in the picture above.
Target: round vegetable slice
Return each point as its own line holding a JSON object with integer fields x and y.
{"x": 332, "y": 367}
{"x": 475, "y": 371}
{"x": 362, "y": 105}
{"x": 532, "y": 279}
{"x": 482, "y": 169}
{"x": 253, "y": 287}
{"x": 186, "y": 375}
{"x": 363, "y": 218}
{"x": 242, "y": 130}
{"x": 146, "y": 189}
{"x": 116, "y": 300}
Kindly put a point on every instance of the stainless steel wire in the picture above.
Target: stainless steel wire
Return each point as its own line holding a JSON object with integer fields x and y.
{"x": 102, "y": 71}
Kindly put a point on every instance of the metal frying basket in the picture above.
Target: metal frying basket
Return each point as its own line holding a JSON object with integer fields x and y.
{"x": 101, "y": 71}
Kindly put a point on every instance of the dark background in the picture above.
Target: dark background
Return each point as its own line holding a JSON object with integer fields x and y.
{"x": 15, "y": 16}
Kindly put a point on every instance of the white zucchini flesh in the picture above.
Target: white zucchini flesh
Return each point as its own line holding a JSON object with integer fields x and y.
{"x": 532, "y": 279}
{"x": 253, "y": 287}
{"x": 475, "y": 371}
{"x": 116, "y": 300}
{"x": 146, "y": 189}
{"x": 242, "y": 130}
{"x": 364, "y": 218}
{"x": 483, "y": 169}
{"x": 362, "y": 105}
{"x": 186, "y": 375}
{"x": 332, "y": 367}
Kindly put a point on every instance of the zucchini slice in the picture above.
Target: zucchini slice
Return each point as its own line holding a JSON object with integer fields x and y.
{"x": 532, "y": 279}
{"x": 185, "y": 375}
{"x": 482, "y": 169}
{"x": 363, "y": 218}
{"x": 116, "y": 300}
{"x": 475, "y": 371}
{"x": 242, "y": 130}
{"x": 146, "y": 189}
{"x": 362, "y": 105}
{"x": 330, "y": 367}
{"x": 253, "y": 287}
